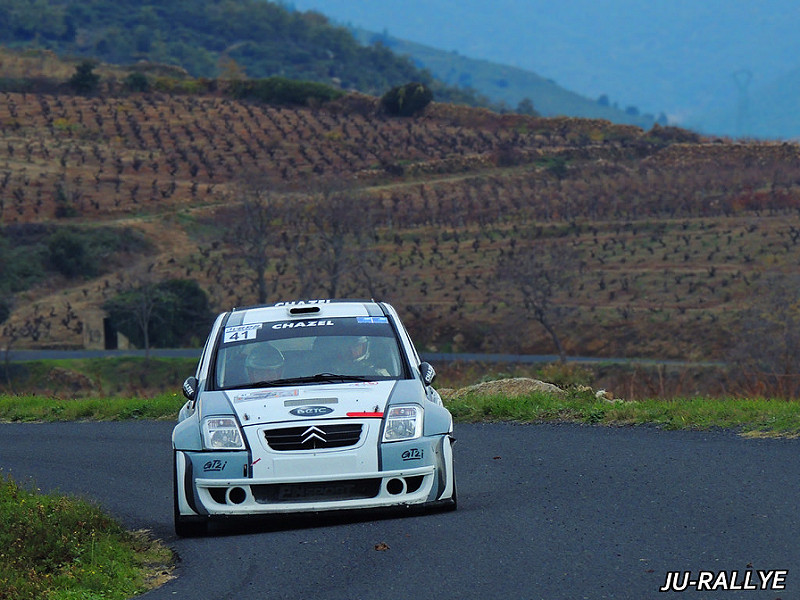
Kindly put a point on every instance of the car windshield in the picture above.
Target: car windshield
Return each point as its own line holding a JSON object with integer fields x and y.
{"x": 313, "y": 351}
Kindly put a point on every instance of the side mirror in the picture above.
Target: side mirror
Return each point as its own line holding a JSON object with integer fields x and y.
{"x": 190, "y": 388}
{"x": 428, "y": 373}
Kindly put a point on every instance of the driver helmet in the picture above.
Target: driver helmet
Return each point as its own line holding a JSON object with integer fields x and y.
{"x": 357, "y": 348}
{"x": 264, "y": 363}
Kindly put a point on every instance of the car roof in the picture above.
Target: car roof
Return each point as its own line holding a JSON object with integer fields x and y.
{"x": 304, "y": 309}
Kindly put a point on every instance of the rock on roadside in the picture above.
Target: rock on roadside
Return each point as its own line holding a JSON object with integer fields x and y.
{"x": 517, "y": 386}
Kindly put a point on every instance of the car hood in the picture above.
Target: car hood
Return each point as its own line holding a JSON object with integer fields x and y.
{"x": 300, "y": 403}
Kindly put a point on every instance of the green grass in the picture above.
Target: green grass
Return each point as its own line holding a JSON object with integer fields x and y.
{"x": 55, "y": 547}
{"x": 749, "y": 416}
{"x": 45, "y": 408}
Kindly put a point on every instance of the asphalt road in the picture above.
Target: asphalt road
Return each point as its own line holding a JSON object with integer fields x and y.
{"x": 545, "y": 511}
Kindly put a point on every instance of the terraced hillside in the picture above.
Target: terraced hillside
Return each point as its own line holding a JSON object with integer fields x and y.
{"x": 637, "y": 243}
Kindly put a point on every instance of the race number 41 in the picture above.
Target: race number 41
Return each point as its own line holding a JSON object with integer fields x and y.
{"x": 241, "y": 333}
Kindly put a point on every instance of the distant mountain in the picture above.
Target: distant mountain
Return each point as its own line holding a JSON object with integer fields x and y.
{"x": 258, "y": 39}
{"x": 211, "y": 39}
{"x": 676, "y": 56}
{"x": 690, "y": 66}
{"x": 506, "y": 85}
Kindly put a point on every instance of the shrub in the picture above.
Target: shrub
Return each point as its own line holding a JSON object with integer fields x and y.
{"x": 407, "y": 100}
{"x": 65, "y": 209}
{"x": 69, "y": 255}
{"x": 85, "y": 80}
{"x": 23, "y": 254}
{"x": 75, "y": 252}
{"x": 137, "y": 82}
{"x": 279, "y": 90}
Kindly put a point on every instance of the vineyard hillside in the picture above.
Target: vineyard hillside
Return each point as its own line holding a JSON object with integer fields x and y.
{"x": 668, "y": 238}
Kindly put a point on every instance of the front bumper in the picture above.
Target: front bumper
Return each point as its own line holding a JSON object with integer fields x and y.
{"x": 304, "y": 494}
{"x": 208, "y": 483}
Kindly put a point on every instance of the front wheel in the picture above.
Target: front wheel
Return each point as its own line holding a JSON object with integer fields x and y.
{"x": 190, "y": 526}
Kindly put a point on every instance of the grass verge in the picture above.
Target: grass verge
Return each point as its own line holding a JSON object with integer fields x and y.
{"x": 46, "y": 408}
{"x": 749, "y": 416}
{"x": 56, "y": 547}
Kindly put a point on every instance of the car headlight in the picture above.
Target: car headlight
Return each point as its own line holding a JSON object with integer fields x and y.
{"x": 403, "y": 423}
{"x": 222, "y": 433}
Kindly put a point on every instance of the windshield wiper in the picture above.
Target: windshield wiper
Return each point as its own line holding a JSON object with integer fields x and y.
{"x": 318, "y": 378}
{"x": 337, "y": 377}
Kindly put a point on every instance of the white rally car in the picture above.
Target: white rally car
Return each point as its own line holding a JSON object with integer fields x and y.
{"x": 309, "y": 406}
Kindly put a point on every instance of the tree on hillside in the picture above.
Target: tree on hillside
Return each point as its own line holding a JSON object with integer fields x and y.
{"x": 370, "y": 278}
{"x": 132, "y": 313}
{"x": 166, "y": 314}
{"x": 525, "y": 107}
{"x": 188, "y": 314}
{"x": 315, "y": 237}
{"x": 407, "y": 100}
{"x": 332, "y": 236}
{"x": 259, "y": 234}
{"x": 539, "y": 278}
{"x": 85, "y": 80}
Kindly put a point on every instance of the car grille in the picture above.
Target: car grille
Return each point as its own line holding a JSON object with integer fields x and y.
{"x": 351, "y": 489}
{"x": 313, "y": 437}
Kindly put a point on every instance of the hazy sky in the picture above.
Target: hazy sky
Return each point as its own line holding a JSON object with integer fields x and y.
{"x": 675, "y": 56}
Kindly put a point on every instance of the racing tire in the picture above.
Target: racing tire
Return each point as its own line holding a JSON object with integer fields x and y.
{"x": 190, "y": 526}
